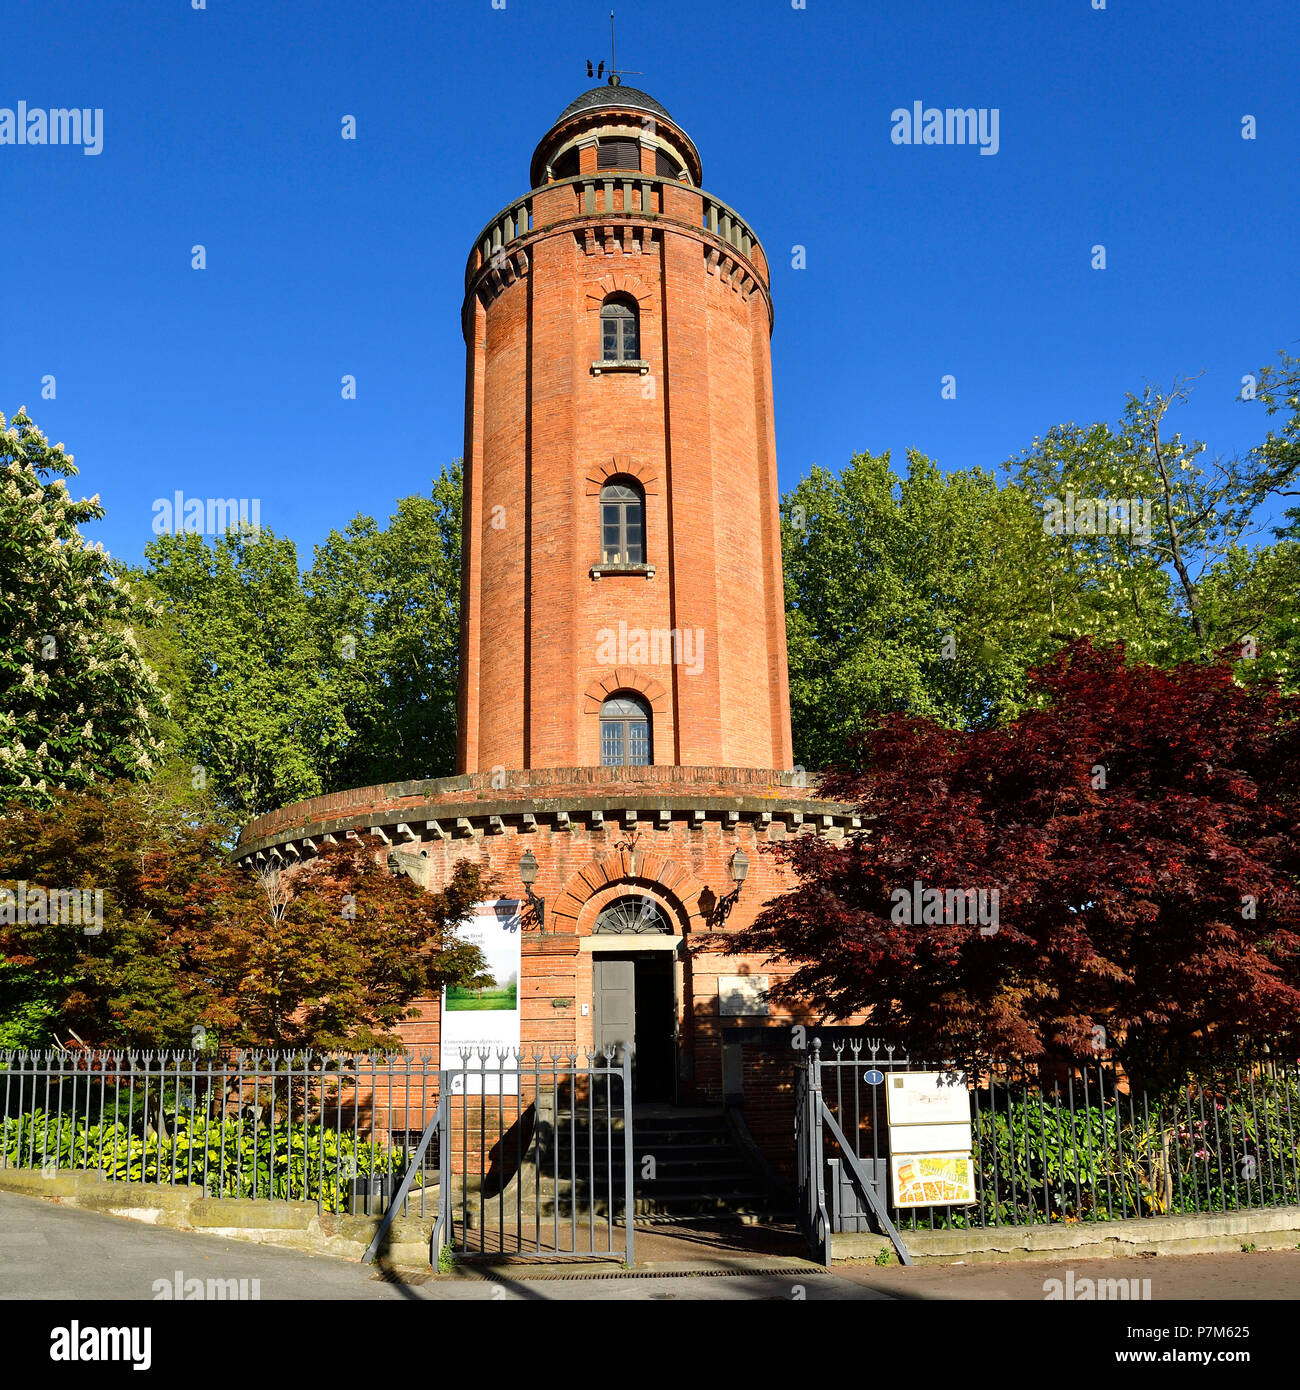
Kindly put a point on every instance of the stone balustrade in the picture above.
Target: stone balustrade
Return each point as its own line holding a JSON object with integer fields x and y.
{"x": 610, "y": 192}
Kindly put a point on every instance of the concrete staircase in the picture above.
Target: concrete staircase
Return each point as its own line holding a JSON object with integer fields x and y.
{"x": 686, "y": 1167}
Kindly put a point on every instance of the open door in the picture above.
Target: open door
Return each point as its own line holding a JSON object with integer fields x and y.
{"x": 634, "y": 1004}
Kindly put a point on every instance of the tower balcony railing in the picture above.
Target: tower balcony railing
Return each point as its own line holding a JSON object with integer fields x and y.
{"x": 508, "y": 226}
{"x": 604, "y": 193}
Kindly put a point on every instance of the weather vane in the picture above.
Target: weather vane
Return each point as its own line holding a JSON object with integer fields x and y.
{"x": 615, "y": 76}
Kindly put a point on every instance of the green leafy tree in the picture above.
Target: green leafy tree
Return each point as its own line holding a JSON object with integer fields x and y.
{"x": 179, "y": 783}
{"x": 1108, "y": 587}
{"x": 261, "y": 717}
{"x": 1143, "y": 581}
{"x": 933, "y": 595}
{"x": 1249, "y": 602}
{"x": 78, "y": 702}
{"x": 1278, "y": 387}
{"x": 385, "y": 602}
{"x": 29, "y": 1006}
{"x": 289, "y": 685}
{"x": 928, "y": 595}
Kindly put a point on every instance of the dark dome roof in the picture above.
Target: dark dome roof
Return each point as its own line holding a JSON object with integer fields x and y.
{"x": 613, "y": 96}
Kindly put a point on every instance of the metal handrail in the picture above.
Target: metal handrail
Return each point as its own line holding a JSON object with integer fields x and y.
{"x": 437, "y": 1126}
{"x": 868, "y": 1188}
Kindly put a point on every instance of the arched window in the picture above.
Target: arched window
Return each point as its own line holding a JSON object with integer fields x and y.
{"x": 632, "y": 916}
{"x": 625, "y": 732}
{"x": 619, "y": 339}
{"x": 622, "y": 524}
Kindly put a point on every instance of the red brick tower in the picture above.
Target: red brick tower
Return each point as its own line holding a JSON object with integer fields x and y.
{"x": 621, "y": 525}
{"x": 624, "y": 743}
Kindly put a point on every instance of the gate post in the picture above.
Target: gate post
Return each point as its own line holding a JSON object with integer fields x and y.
{"x": 629, "y": 1200}
{"x": 816, "y": 1167}
{"x": 441, "y": 1233}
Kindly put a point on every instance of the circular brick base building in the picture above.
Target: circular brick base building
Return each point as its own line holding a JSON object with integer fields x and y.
{"x": 601, "y": 836}
{"x": 624, "y": 719}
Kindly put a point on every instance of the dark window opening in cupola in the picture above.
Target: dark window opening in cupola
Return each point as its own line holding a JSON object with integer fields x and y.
{"x": 666, "y": 166}
{"x": 618, "y": 154}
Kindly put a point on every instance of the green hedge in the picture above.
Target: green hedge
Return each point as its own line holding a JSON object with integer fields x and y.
{"x": 298, "y": 1161}
{"x": 1221, "y": 1143}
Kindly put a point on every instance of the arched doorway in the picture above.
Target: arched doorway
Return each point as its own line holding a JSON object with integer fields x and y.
{"x": 634, "y": 993}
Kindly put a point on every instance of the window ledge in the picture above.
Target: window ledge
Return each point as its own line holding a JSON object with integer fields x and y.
{"x": 599, "y": 571}
{"x": 636, "y": 364}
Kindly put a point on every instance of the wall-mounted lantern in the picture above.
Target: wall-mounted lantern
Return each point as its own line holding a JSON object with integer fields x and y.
{"x": 528, "y": 876}
{"x": 739, "y": 867}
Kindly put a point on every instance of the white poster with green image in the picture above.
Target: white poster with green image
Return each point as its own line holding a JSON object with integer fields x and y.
{"x": 483, "y": 1013}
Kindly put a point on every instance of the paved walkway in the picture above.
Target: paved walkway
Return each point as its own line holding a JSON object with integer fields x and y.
{"x": 1264, "y": 1274}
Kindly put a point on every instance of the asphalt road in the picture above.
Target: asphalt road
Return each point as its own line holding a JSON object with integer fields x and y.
{"x": 52, "y": 1252}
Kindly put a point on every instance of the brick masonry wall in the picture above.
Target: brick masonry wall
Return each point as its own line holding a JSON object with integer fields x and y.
{"x": 684, "y": 868}
{"x": 768, "y": 1081}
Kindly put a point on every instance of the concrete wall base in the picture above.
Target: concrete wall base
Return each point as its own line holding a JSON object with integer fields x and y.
{"x": 1272, "y": 1228}
{"x": 293, "y": 1225}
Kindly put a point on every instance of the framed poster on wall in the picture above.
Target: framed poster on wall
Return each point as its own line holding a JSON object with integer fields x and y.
{"x": 932, "y": 1180}
{"x": 483, "y": 1013}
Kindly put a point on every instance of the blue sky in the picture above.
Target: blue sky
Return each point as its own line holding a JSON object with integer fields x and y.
{"x": 222, "y": 127}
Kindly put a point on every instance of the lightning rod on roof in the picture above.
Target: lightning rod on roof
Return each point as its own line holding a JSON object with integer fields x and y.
{"x": 615, "y": 76}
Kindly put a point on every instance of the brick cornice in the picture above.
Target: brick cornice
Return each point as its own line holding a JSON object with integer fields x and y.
{"x": 471, "y": 806}
{"x": 621, "y": 282}
{"x": 625, "y": 466}
{"x": 716, "y": 248}
{"x": 624, "y": 678}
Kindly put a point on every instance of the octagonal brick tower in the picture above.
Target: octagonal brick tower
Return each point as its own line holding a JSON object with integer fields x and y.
{"x": 555, "y": 618}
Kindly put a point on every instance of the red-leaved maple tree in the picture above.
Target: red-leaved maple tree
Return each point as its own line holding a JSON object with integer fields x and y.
{"x": 1140, "y": 830}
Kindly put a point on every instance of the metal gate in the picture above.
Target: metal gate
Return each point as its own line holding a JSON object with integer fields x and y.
{"x": 533, "y": 1157}
{"x": 855, "y": 1179}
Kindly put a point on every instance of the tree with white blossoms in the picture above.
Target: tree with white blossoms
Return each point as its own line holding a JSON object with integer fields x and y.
{"x": 78, "y": 702}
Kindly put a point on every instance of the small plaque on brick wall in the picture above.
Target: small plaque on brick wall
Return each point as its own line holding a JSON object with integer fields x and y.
{"x": 742, "y": 994}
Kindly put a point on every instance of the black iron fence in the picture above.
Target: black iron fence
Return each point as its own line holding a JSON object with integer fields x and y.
{"x": 536, "y": 1157}
{"x": 1055, "y": 1141}
{"x": 506, "y": 1153}
{"x": 330, "y": 1129}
